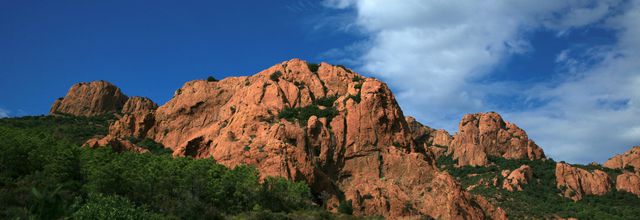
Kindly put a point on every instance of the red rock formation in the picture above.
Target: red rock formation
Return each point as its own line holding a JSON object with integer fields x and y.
{"x": 118, "y": 145}
{"x": 574, "y": 182}
{"x": 629, "y": 182}
{"x": 630, "y": 158}
{"x": 90, "y": 99}
{"x": 515, "y": 179}
{"x": 138, "y": 104}
{"x": 366, "y": 152}
{"x": 485, "y": 134}
{"x": 435, "y": 141}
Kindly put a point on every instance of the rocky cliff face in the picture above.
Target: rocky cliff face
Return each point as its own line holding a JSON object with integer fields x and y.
{"x": 431, "y": 140}
{"x": 90, "y": 99}
{"x": 629, "y": 182}
{"x": 626, "y": 160}
{"x": 574, "y": 182}
{"x": 357, "y": 146}
{"x": 482, "y": 135}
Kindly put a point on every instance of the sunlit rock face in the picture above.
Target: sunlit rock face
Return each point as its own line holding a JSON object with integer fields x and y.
{"x": 90, "y": 99}
{"x": 357, "y": 147}
{"x": 482, "y": 135}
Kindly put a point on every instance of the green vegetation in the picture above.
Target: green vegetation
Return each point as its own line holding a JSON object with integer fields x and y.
{"x": 540, "y": 198}
{"x": 211, "y": 79}
{"x": 303, "y": 114}
{"x": 344, "y": 68}
{"x": 313, "y": 67}
{"x": 275, "y": 76}
{"x": 326, "y": 101}
{"x": 357, "y": 98}
{"x": 346, "y": 207}
{"x": 358, "y": 86}
{"x": 357, "y": 79}
{"x": 45, "y": 174}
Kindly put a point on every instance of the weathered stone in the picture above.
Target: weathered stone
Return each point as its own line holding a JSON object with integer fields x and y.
{"x": 575, "y": 182}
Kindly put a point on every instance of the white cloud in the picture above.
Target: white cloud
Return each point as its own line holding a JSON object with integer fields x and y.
{"x": 4, "y": 113}
{"x": 436, "y": 56}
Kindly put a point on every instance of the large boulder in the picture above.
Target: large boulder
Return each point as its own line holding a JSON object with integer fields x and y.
{"x": 356, "y": 147}
{"x": 514, "y": 180}
{"x": 482, "y": 135}
{"x": 90, "y": 99}
{"x": 575, "y": 182}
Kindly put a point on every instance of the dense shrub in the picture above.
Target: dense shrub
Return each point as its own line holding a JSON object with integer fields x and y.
{"x": 313, "y": 67}
{"x": 303, "y": 114}
{"x": 211, "y": 79}
{"x": 325, "y": 101}
{"x": 275, "y": 76}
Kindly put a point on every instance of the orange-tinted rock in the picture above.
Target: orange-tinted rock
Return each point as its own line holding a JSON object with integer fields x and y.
{"x": 434, "y": 141}
{"x": 366, "y": 152}
{"x": 482, "y": 135}
{"x": 630, "y": 158}
{"x": 629, "y": 182}
{"x": 138, "y": 104}
{"x": 118, "y": 145}
{"x": 514, "y": 180}
{"x": 574, "y": 182}
{"x": 90, "y": 99}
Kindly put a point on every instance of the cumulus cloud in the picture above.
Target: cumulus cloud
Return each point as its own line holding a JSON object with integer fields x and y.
{"x": 438, "y": 55}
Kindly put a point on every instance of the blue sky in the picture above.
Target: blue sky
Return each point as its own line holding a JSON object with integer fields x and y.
{"x": 565, "y": 71}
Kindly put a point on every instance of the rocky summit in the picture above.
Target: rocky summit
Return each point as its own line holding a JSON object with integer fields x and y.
{"x": 90, "y": 99}
{"x": 346, "y": 137}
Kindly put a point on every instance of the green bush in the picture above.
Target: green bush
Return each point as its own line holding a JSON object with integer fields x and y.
{"x": 111, "y": 207}
{"x": 325, "y": 101}
{"x": 313, "y": 67}
{"x": 211, "y": 79}
{"x": 345, "y": 207}
{"x": 275, "y": 76}
{"x": 303, "y": 114}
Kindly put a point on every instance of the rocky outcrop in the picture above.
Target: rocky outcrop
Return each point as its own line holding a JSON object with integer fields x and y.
{"x": 435, "y": 141}
{"x": 138, "y": 104}
{"x": 117, "y": 145}
{"x": 482, "y": 135}
{"x": 627, "y": 160}
{"x": 358, "y": 145}
{"x": 629, "y": 182}
{"x": 575, "y": 182}
{"x": 514, "y": 180}
{"x": 90, "y": 99}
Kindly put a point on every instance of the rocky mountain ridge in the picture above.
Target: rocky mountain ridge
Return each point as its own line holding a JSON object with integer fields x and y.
{"x": 342, "y": 133}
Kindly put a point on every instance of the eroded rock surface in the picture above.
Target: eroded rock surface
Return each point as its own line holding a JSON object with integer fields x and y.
{"x": 364, "y": 151}
{"x": 90, "y": 99}
{"x": 514, "y": 180}
{"x": 575, "y": 182}
{"x": 626, "y": 160}
{"x": 436, "y": 141}
{"x": 482, "y": 135}
{"x": 629, "y": 182}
